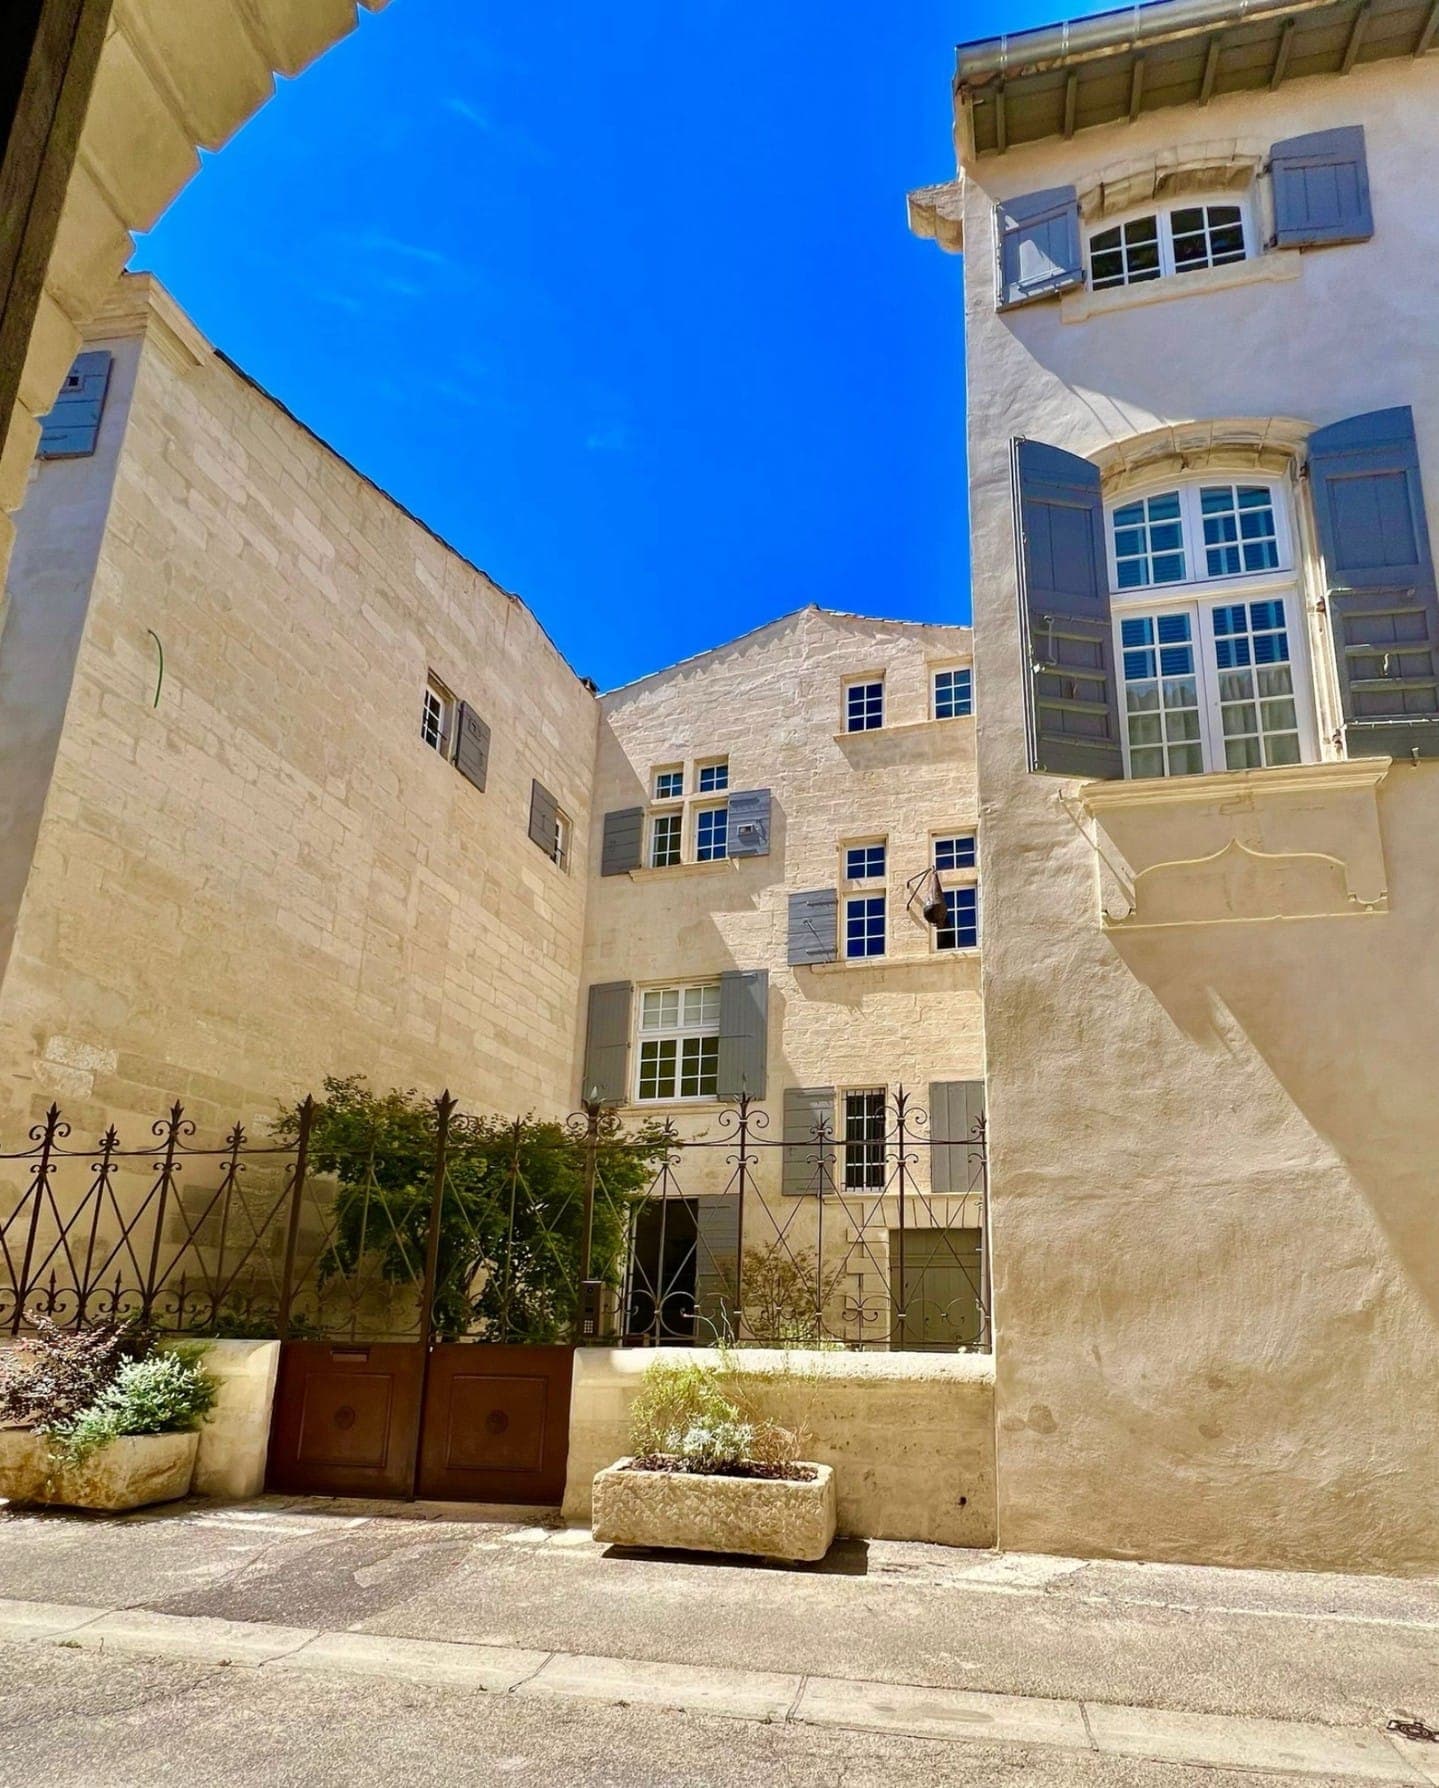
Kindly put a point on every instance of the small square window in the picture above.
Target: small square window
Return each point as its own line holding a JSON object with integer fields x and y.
{"x": 665, "y": 834}
{"x": 714, "y": 778}
{"x": 864, "y": 926}
{"x": 960, "y": 929}
{"x": 863, "y": 707}
{"x": 864, "y": 863}
{"x": 669, "y": 784}
{"x": 953, "y": 694}
{"x": 711, "y": 834}
{"x": 955, "y": 851}
{"x": 437, "y": 717}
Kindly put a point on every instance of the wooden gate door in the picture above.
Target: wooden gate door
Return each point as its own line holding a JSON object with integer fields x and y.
{"x": 496, "y": 1423}
{"x": 347, "y": 1418}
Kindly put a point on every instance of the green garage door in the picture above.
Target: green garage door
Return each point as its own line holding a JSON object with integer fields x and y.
{"x": 937, "y": 1309}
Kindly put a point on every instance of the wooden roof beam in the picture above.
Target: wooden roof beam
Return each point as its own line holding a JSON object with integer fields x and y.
{"x": 1356, "y": 37}
{"x": 1281, "y": 54}
{"x": 1071, "y": 91}
{"x": 1136, "y": 87}
{"x": 1211, "y": 66}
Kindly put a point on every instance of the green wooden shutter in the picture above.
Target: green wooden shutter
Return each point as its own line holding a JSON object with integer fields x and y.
{"x": 72, "y": 428}
{"x": 808, "y": 1164}
{"x": 472, "y": 746}
{"x": 1379, "y": 567}
{"x": 1321, "y": 189}
{"x": 955, "y": 1110}
{"x": 744, "y": 1032}
{"x": 607, "y": 1043}
{"x": 1073, "y": 709}
{"x": 623, "y": 841}
{"x": 814, "y": 926}
{"x": 749, "y": 812}
{"x": 544, "y": 818}
{"x": 1037, "y": 239}
{"x": 717, "y": 1268}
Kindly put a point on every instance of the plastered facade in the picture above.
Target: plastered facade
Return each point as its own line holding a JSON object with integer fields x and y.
{"x": 265, "y": 875}
{"x": 1213, "y": 1146}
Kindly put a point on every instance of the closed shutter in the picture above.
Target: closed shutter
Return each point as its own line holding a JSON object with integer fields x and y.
{"x": 808, "y": 1165}
{"x": 1073, "y": 711}
{"x": 1038, "y": 244}
{"x": 1383, "y": 612}
{"x": 1321, "y": 189}
{"x": 717, "y": 1268}
{"x": 472, "y": 746}
{"x": 814, "y": 926}
{"x": 956, "y": 1108}
{"x": 749, "y": 823}
{"x": 72, "y": 428}
{"x": 623, "y": 841}
{"x": 544, "y": 818}
{"x": 607, "y": 1044}
{"x": 744, "y": 1033}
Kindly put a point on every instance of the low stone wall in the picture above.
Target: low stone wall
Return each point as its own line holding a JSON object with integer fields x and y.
{"x": 910, "y": 1436}
{"x": 235, "y": 1440}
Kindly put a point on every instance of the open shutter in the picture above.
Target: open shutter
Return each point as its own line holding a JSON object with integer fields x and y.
{"x": 607, "y": 1043}
{"x": 1068, "y": 633}
{"x": 472, "y": 746}
{"x": 72, "y": 428}
{"x": 955, "y": 1110}
{"x": 544, "y": 818}
{"x": 717, "y": 1236}
{"x": 749, "y": 823}
{"x": 1383, "y": 612}
{"x": 814, "y": 926}
{"x": 623, "y": 841}
{"x": 744, "y": 1033}
{"x": 808, "y": 1164}
{"x": 1321, "y": 189}
{"x": 1038, "y": 242}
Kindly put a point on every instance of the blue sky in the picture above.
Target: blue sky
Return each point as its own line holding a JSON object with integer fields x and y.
{"x": 619, "y": 299}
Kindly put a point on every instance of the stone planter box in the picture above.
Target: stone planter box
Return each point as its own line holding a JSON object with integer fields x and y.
{"x": 693, "y": 1512}
{"x": 130, "y": 1472}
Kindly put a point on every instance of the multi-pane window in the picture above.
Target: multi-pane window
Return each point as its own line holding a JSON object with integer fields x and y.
{"x": 669, "y": 784}
{"x": 1195, "y": 533}
{"x": 711, "y": 834}
{"x": 561, "y": 853}
{"x": 666, "y": 830}
{"x": 864, "y": 926}
{"x": 1258, "y": 717}
{"x": 953, "y": 694}
{"x": 679, "y": 1042}
{"x": 1161, "y": 695}
{"x": 1149, "y": 542}
{"x": 714, "y": 777}
{"x": 955, "y": 851}
{"x": 864, "y": 863}
{"x": 1240, "y": 530}
{"x": 1189, "y": 237}
{"x": 960, "y": 928}
{"x": 436, "y": 713}
{"x": 864, "y": 1146}
{"x": 863, "y": 706}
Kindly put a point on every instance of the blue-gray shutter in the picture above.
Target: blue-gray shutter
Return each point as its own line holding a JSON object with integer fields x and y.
{"x": 814, "y": 926}
{"x": 744, "y": 1033}
{"x": 72, "y": 428}
{"x": 956, "y": 1109}
{"x": 1321, "y": 189}
{"x": 544, "y": 818}
{"x": 1383, "y": 610}
{"x": 472, "y": 746}
{"x": 808, "y": 1153}
{"x": 1038, "y": 243}
{"x": 1068, "y": 632}
{"x": 623, "y": 841}
{"x": 607, "y": 1043}
{"x": 749, "y": 823}
{"x": 717, "y": 1223}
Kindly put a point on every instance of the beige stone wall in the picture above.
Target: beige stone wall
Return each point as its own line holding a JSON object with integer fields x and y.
{"x": 1213, "y": 1148}
{"x": 269, "y": 877}
{"x": 910, "y": 1436}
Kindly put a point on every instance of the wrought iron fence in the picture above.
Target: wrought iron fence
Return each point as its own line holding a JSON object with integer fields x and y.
{"x": 473, "y": 1229}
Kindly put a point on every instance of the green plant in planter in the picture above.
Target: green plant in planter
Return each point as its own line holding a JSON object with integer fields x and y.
{"x": 49, "y": 1377}
{"x": 164, "y": 1393}
{"x": 684, "y": 1412}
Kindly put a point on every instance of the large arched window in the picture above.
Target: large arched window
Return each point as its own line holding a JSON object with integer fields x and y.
{"x": 1208, "y": 623}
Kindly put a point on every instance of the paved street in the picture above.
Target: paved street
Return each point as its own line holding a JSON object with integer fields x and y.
{"x": 343, "y": 1642}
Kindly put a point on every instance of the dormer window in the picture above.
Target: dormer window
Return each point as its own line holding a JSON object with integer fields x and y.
{"x": 1161, "y": 243}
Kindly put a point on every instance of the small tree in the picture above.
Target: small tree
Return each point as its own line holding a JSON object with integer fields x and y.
{"x": 512, "y": 1214}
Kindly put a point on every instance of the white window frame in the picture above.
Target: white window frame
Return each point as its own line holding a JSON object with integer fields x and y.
{"x": 680, "y": 1032}
{"x": 971, "y": 886}
{"x": 716, "y": 767}
{"x": 867, "y": 892}
{"x": 872, "y": 679}
{"x": 1164, "y": 215}
{"x": 673, "y": 821}
{"x": 437, "y": 714}
{"x": 874, "y": 1174}
{"x": 700, "y": 812}
{"x": 952, "y": 835}
{"x": 564, "y": 832}
{"x": 1191, "y": 523}
{"x": 874, "y": 883}
{"x": 936, "y": 671}
{"x": 667, "y": 770}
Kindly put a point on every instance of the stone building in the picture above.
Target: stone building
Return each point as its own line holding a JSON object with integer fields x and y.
{"x": 1203, "y": 352}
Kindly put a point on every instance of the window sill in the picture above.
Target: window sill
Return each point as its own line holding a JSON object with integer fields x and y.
{"x": 1275, "y": 265}
{"x": 1233, "y": 846}
{"x": 905, "y": 727}
{"x": 858, "y": 964}
{"x": 716, "y": 866}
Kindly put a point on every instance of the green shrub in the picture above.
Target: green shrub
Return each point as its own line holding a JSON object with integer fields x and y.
{"x": 165, "y": 1393}
{"x": 686, "y": 1411}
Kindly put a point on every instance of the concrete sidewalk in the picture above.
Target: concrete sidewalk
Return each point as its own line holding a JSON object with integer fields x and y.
{"x": 1291, "y": 1676}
